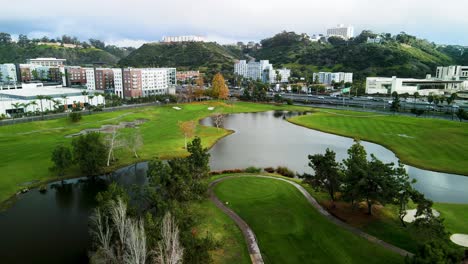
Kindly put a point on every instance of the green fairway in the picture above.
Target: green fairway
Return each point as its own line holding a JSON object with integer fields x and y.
{"x": 26, "y": 148}
{"x": 231, "y": 244}
{"x": 290, "y": 230}
{"x": 434, "y": 144}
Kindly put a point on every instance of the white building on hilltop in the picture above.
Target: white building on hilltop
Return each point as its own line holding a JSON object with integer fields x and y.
{"x": 346, "y": 32}
{"x": 191, "y": 38}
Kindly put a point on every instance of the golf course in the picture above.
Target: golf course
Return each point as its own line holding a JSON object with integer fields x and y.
{"x": 283, "y": 221}
{"x": 432, "y": 144}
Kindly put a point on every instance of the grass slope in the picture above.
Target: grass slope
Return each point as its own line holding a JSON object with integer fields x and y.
{"x": 433, "y": 144}
{"x": 289, "y": 230}
{"x": 26, "y": 148}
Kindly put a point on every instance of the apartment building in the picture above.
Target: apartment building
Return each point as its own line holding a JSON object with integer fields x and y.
{"x": 345, "y": 32}
{"x": 148, "y": 81}
{"x": 35, "y": 72}
{"x": 75, "y": 76}
{"x": 49, "y": 62}
{"x": 187, "y": 75}
{"x": 118, "y": 82}
{"x": 90, "y": 80}
{"x": 190, "y": 38}
{"x": 104, "y": 79}
{"x": 329, "y": 78}
{"x": 256, "y": 70}
{"x": 284, "y": 73}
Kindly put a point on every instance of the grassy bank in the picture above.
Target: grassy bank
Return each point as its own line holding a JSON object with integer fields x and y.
{"x": 26, "y": 148}
{"x": 290, "y": 230}
{"x": 434, "y": 144}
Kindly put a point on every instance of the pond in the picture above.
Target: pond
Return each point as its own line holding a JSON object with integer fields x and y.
{"x": 52, "y": 227}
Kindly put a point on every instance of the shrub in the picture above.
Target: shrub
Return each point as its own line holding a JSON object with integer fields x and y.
{"x": 288, "y": 101}
{"x": 284, "y": 171}
{"x": 269, "y": 169}
{"x": 253, "y": 170}
{"x": 74, "y": 117}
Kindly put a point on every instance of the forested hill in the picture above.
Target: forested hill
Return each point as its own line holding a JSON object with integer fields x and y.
{"x": 209, "y": 57}
{"x": 402, "y": 55}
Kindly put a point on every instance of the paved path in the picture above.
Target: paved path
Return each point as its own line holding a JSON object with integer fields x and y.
{"x": 249, "y": 236}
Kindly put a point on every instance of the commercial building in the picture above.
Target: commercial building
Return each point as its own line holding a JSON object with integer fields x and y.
{"x": 259, "y": 70}
{"x": 388, "y": 85}
{"x": 50, "y": 62}
{"x": 142, "y": 82}
{"x": 345, "y": 32}
{"x": 24, "y": 98}
{"x": 190, "y": 38}
{"x": 187, "y": 75}
{"x": 8, "y": 74}
{"x": 329, "y": 78}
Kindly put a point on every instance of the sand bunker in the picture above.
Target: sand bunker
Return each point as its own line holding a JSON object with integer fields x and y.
{"x": 109, "y": 128}
{"x": 176, "y": 108}
{"x": 211, "y": 108}
{"x": 404, "y": 135}
{"x": 410, "y": 215}
{"x": 460, "y": 239}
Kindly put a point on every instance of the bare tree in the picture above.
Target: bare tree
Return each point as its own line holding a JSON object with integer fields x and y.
{"x": 135, "y": 243}
{"x": 134, "y": 141}
{"x": 103, "y": 235}
{"x": 118, "y": 213}
{"x": 218, "y": 119}
{"x": 188, "y": 129}
{"x": 113, "y": 142}
{"x": 169, "y": 250}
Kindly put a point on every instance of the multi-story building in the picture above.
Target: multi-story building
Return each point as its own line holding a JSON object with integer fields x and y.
{"x": 333, "y": 77}
{"x": 388, "y": 85}
{"x": 345, "y": 32}
{"x": 35, "y": 72}
{"x": 75, "y": 76}
{"x": 454, "y": 72}
{"x": 255, "y": 70}
{"x": 187, "y": 75}
{"x": 8, "y": 73}
{"x": 284, "y": 73}
{"x": 148, "y": 81}
{"x": 50, "y": 62}
{"x": 118, "y": 82}
{"x": 183, "y": 39}
{"x": 104, "y": 79}
{"x": 90, "y": 79}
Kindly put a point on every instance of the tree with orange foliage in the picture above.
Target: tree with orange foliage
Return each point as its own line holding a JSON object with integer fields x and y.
{"x": 220, "y": 89}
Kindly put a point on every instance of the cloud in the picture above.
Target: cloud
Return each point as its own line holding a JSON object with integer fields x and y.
{"x": 233, "y": 20}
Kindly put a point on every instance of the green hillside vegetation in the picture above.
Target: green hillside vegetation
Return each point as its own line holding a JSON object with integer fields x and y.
{"x": 402, "y": 55}
{"x": 458, "y": 53}
{"x": 206, "y": 56}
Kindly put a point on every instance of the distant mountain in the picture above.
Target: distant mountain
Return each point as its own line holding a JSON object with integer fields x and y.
{"x": 13, "y": 53}
{"x": 209, "y": 57}
{"x": 402, "y": 55}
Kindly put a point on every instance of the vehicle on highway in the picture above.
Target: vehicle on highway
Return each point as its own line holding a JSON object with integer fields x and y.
{"x": 321, "y": 97}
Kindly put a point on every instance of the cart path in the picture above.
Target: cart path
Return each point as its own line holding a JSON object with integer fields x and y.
{"x": 249, "y": 235}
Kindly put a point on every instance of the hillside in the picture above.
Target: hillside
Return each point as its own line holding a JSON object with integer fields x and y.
{"x": 402, "y": 55}
{"x": 12, "y": 53}
{"x": 209, "y": 57}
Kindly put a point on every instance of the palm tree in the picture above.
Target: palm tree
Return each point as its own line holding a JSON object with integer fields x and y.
{"x": 33, "y": 103}
{"x": 84, "y": 93}
{"x": 416, "y": 96}
{"x": 64, "y": 97}
{"x": 40, "y": 98}
{"x": 49, "y": 98}
{"x": 16, "y": 106}
{"x": 90, "y": 99}
{"x": 25, "y": 107}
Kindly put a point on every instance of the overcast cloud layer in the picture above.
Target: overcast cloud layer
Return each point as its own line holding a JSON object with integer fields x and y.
{"x": 133, "y": 22}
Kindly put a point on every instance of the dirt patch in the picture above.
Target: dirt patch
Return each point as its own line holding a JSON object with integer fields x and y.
{"x": 109, "y": 128}
{"x": 357, "y": 217}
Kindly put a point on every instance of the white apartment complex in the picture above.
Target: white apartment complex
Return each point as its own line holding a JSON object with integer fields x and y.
{"x": 142, "y": 82}
{"x": 8, "y": 73}
{"x": 118, "y": 82}
{"x": 190, "y": 38}
{"x": 329, "y": 78}
{"x": 90, "y": 80}
{"x": 260, "y": 70}
{"x": 346, "y": 32}
{"x": 50, "y": 62}
{"x": 284, "y": 73}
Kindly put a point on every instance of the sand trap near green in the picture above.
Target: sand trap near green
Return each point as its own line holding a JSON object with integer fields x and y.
{"x": 460, "y": 239}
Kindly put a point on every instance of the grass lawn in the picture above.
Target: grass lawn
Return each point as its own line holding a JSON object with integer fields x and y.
{"x": 212, "y": 221}
{"x": 290, "y": 230}
{"x": 434, "y": 144}
{"x": 26, "y": 148}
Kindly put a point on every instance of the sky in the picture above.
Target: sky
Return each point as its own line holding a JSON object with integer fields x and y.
{"x": 134, "y": 22}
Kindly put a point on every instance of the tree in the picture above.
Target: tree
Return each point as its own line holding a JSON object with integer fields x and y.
{"x": 74, "y": 117}
{"x": 23, "y": 40}
{"x": 169, "y": 249}
{"x": 461, "y": 114}
{"x": 16, "y": 106}
{"x": 85, "y": 95}
{"x": 89, "y": 152}
{"x": 188, "y": 130}
{"x": 5, "y": 38}
{"x": 328, "y": 174}
{"x": 113, "y": 142}
{"x": 40, "y": 98}
{"x": 218, "y": 119}
{"x": 62, "y": 159}
{"x": 355, "y": 169}
{"x": 436, "y": 251}
{"x": 34, "y": 104}
{"x": 97, "y": 43}
{"x": 135, "y": 141}
{"x": 395, "y": 107}
{"x": 198, "y": 160}
{"x": 219, "y": 87}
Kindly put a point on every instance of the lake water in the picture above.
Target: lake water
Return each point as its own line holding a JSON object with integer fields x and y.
{"x": 52, "y": 227}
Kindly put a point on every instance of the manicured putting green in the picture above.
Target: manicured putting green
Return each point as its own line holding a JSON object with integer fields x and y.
{"x": 290, "y": 230}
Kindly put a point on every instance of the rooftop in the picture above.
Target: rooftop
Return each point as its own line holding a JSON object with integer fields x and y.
{"x": 33, "y": 92}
